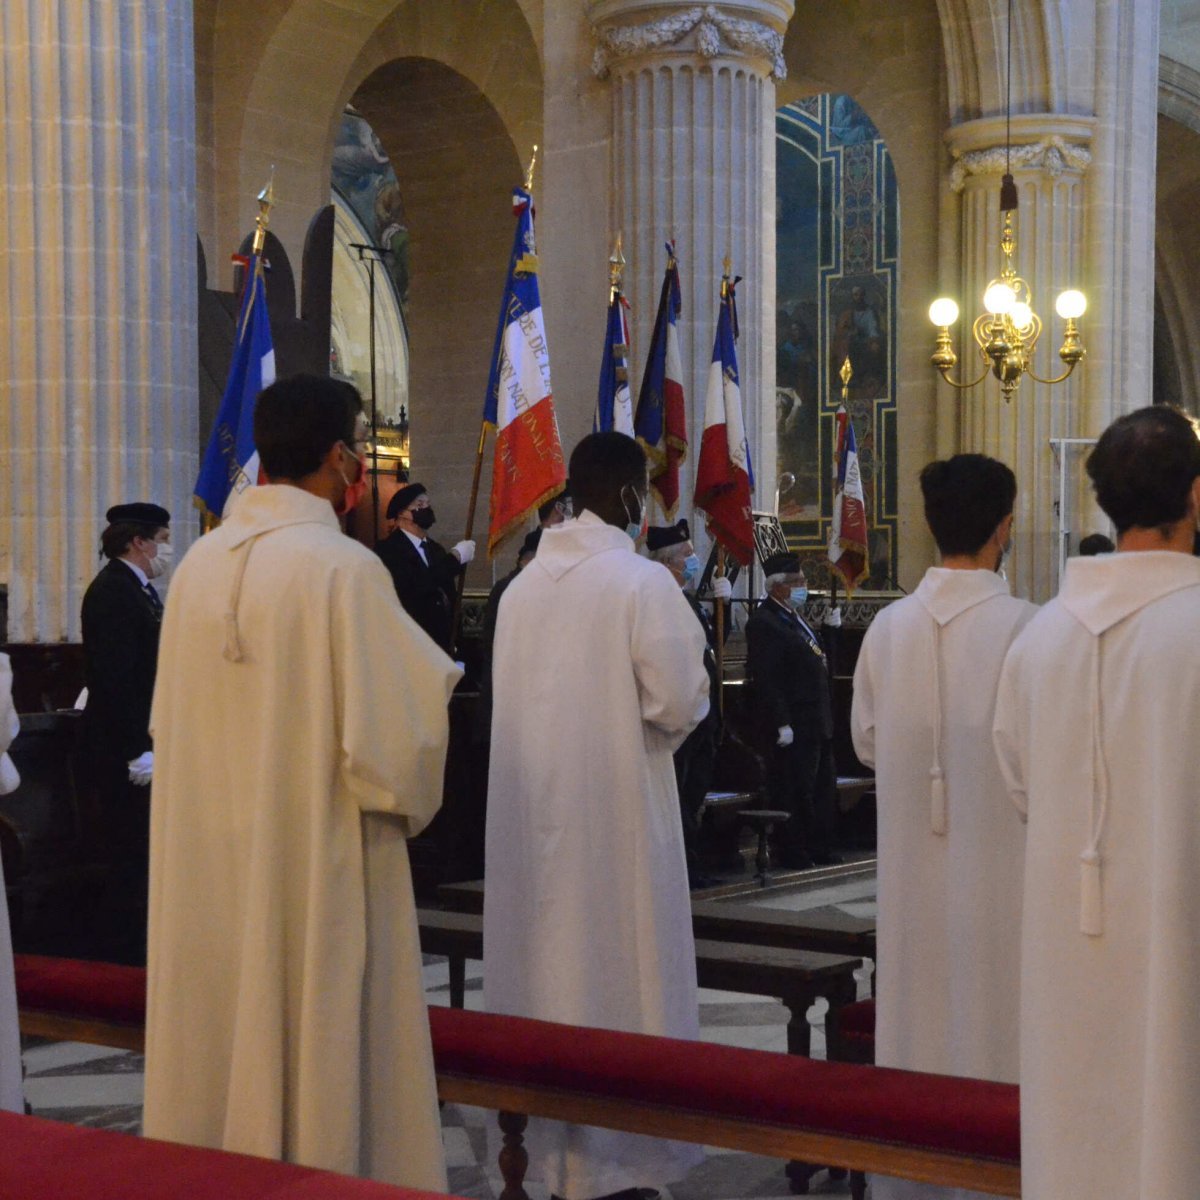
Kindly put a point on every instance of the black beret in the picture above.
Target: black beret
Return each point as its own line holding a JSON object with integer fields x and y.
{"x": 786, "y": 563}
{"x": 403, "y": 498}
{"x": 659, "y": 537}
{"x": 143, "y": 514}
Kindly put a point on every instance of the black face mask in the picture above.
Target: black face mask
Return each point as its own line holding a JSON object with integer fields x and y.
{"x": 423, "y": 518}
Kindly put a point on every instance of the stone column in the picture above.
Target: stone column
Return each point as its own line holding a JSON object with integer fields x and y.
{"x": 1050, "y": 156}
{"x": 98, "y": 374}
{"x": 693, "y": 156}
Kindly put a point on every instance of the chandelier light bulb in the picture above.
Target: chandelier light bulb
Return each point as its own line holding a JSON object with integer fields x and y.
{"x": 1071, "y": 304}
{"x": 1021, "y": 315}
{"x": 943, "y": 311}
{"x": 999, "y": 299}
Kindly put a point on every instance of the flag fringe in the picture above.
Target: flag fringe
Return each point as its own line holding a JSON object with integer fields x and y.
{"x": 511, "y": 524}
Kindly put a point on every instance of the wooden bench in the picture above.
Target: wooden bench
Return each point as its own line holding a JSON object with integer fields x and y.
{"x": 942, "y": 1130}
{"x": 797, "y": 978}
{"x": 826, "y": 930}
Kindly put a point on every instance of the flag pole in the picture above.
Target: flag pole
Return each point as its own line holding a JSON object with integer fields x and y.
{"x": 719, "y": 648}
{"x": 266, "y": 200}
{"x": 719, "y": 605}
{"x": 474, "y": 499}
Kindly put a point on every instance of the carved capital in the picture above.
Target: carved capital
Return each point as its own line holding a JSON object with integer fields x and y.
{"x": 706, "y": 30}
{"x": 1053, "y": 155}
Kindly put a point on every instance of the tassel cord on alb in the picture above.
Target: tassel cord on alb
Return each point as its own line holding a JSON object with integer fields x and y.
{"x": 1091, "y": 861}
{"x": 938, "y": 815}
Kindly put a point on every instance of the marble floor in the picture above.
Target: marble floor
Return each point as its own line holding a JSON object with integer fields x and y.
{"x": 89, "y": 1085}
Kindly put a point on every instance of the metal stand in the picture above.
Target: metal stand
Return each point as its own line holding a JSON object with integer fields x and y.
{"x": 372, "y": 255}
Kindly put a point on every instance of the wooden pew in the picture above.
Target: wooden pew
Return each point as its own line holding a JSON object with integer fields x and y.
{"x": 797, "y": 978}
{"x": 935, "y": 1129}
{"x": 826, "y": 930}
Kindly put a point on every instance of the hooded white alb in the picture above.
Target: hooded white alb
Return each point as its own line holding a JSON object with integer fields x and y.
{"x": 950, "y": 847}
{"x": 300, "y": 729}
{"x": 599, "y": 675}
{"x": 1096, "y": 722}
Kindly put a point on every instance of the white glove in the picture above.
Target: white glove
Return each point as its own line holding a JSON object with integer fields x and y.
{"x": 786, "y": 737}
{"x": 722, "y": 589}
{"x": 833, "y": 618}
{"x": 141, "y": 769}
{"x": 464, "y": 552}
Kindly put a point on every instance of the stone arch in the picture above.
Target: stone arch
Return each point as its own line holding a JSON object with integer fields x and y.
{"x": 456, "y": 164}
{"x": 975, "y": 41}
{"x": 287, "y": 67}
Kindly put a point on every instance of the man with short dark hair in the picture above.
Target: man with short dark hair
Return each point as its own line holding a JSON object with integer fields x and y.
{"x": 423, "y": 571}
{"x": 950, "y": 856}
{"x": 1095, "y": 726}
{"x": 1095, "y": 543}
{"x": 286, "y": 1013}
{"x": 599, "y": 676}
{"x": 557, "y": 509}
{"x": 789, "y": 672}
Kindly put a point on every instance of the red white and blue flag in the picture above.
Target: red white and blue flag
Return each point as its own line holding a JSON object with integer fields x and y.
{"x": 661, "y": 420}
{"x": 614, "y": 404}
{"x": 528, "y": 467}
{"x": 848, "y": 530}
{"x": 724, "y": 476}
{"x": 230, "y": 463}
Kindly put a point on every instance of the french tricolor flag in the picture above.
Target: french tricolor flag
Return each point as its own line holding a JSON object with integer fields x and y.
{"x": 230, "y": 462}
{"x": 528, "y": 467}
{"x": 661, "y": 421}
{"x": 848, "y": 529}
{"x": 724, "y": 476}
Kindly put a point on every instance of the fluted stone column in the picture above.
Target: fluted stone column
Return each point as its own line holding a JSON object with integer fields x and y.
{"x": 98, "y": 270}
{"x": 1050, "y": 158}
{"x": 693, "y": 156}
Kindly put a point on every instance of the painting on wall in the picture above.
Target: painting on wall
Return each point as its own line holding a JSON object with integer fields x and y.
{"x": 837, "y": 227}
{"x": 364, "y": 180}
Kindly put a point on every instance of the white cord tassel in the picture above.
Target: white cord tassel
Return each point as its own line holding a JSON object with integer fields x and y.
{"x": 233, "y": 642}
{"x": 937, "y": 801}
{"x": 938, "y": 817}
{"x": 1091, "y": 885}
{"x": 1091, "y": 894}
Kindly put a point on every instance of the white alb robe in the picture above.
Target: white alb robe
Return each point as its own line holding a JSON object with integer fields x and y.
{"x": 11, "y": 1095}
{"x": 949, "y": 900}
{"x": 1096, "y": 727}
{"x": 300, "y": 728}
{"x": 599, "y": 675}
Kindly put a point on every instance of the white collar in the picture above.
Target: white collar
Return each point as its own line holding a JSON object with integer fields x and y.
{"x": 416, "y": 541}
{"x": 143, "y": 579}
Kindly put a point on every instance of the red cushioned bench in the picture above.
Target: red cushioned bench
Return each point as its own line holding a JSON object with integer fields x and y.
{"x": 935, "y": 1129}
{"x": 45, "y": 1160}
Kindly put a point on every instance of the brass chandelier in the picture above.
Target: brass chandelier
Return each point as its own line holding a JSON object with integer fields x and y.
{"x": 1008, "y": 329}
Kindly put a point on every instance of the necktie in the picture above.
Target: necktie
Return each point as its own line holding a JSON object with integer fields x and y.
{"x": 155, "y": 602}
{"x": 421, "y": 552}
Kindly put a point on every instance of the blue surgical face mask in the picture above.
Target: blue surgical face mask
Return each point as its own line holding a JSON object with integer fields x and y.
{"x": 799, "y": 597}
{"x": 636, "y": 529}
{"x": 691, "y": 569}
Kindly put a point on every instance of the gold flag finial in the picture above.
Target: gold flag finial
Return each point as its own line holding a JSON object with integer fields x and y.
{"x": 728, "y": 264}
{"x": 529, "y": 170}
{"x": 846, "y": 374}
{"x": 616, "y": 266}
{"x": 266, "y": 200}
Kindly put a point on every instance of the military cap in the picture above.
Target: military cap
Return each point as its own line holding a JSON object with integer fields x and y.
{"x": 659, "y": 537}
{"x": 403, "y": 498}
{"x": 141, "y": 513}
